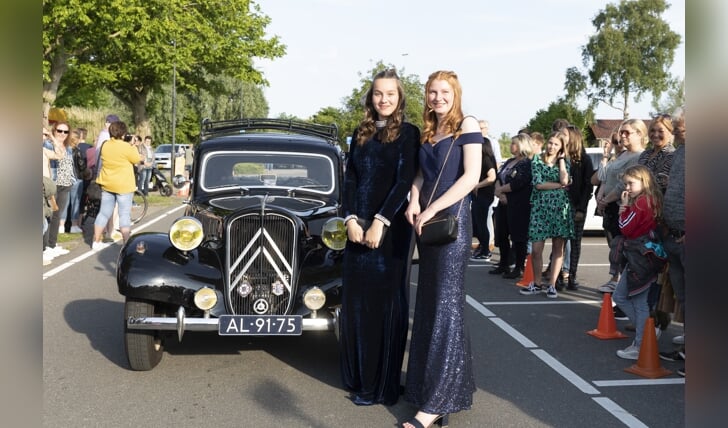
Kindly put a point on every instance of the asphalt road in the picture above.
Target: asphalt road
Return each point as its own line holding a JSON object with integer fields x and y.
{"x": 535, "y": 366}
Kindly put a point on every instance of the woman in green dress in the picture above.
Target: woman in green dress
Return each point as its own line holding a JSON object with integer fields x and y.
{"x": 551, "y": 213}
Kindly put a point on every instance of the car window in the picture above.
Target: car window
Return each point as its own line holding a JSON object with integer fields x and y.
{"x": 267, "y": 169}
{"x": 164, "y": 148}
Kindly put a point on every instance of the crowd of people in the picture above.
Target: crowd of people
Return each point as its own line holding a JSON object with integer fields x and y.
{"x": 397, "y": 179}
{"x": 88, "y": 188}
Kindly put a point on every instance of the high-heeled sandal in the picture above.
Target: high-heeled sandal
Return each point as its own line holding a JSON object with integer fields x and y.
{"x": 441, "y": 421}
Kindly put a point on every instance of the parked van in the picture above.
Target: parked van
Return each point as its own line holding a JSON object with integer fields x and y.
{"x": 162, "y": 158}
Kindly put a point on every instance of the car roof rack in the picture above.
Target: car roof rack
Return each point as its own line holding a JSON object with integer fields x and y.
{"x": 211, "y": 128}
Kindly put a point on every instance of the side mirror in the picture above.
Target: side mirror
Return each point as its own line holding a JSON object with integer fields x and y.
{"x": 179, "y": 181}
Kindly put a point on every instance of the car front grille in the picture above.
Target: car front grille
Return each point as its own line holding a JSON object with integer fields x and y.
{"x": 261, "y": 253}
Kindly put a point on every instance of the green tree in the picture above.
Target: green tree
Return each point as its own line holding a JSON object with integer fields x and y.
{"x": 629, "y": 55}
{"x": 504, "y": 145}
{"x": 560, "y": 109}
{"x": 675, "y": 98}
{"x": 133, "y": 47}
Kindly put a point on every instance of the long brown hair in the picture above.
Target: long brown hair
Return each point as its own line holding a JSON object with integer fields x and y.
{"x": 576, "y": 143}
{"x": 367, "y": 126}
{"x": 454, "y": 117}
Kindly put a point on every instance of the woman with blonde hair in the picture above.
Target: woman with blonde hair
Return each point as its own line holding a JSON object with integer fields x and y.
{"x": 633, "y": 136}
{"x": 439, "y": 370}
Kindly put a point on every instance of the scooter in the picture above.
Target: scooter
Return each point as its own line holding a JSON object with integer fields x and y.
{"x": 161, "y": 183}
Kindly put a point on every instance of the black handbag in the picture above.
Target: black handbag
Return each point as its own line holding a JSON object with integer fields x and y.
{"x": 442, "y": 228}
{"x": 365, "y": 224}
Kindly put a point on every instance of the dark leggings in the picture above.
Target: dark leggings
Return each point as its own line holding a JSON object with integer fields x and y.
{"x": 479, "y": 210}
{"x": 62, "y": 193}
{"x": 576, "y": 248}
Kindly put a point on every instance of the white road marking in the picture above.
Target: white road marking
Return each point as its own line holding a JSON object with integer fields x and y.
{"x": 610, "y": 406}
{"x": 91, "y": 252}
{"x": 640, "y": 382}
{"x": 619, "y": 413}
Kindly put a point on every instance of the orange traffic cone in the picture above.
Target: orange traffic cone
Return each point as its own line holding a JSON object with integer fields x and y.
{"x": 527, "y": 274}
{"x": 648, "y": 363}
{"x": 607, "y": 326}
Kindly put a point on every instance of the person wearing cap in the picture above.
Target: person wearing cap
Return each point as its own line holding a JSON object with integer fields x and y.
{"x": 104, "y": 134}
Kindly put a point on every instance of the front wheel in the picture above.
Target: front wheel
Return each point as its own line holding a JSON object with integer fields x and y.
{"x": 144, "y": 348}
{"x": 165, "y": 190}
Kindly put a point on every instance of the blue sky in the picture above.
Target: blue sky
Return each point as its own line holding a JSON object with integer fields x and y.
{"x": 511, "y": 56}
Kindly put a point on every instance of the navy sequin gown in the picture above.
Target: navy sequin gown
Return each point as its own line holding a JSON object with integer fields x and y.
{"x": 440, "y": 370}
{"x": 375, "y": 292}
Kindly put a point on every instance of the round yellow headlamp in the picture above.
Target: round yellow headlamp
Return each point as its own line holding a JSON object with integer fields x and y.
{"x": 186, "y": 233}
{"x": 314, "y": 298}
{"x": 205, "y": 298}
{"x": 333, "y": 233}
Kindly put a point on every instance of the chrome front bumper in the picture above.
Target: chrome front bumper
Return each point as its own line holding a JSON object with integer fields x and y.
{"x": 182, "y": 323}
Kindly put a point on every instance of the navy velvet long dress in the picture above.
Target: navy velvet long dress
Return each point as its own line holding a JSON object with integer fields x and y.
{"x": 374, "y": 312}
{"x": 439, "y": 370}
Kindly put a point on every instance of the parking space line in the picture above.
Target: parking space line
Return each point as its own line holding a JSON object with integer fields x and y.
{"x": 619, "y": 412}
{"x": 90, "y": 252}
{"x": 610, "y": 406}
{"x": 565, "y": 372}
{"x": 546, "y": 302}
{"x": 640, "y": 382}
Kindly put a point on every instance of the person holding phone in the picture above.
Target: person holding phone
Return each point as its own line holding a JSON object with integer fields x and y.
{"x": 551, "y": 212}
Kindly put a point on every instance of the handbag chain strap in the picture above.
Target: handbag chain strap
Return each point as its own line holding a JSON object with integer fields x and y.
{"x": 444, "y": 162}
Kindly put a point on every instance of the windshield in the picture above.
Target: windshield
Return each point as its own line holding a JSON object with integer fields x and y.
{"x": 164, "y": 148}
{"x": 223, "y": 170}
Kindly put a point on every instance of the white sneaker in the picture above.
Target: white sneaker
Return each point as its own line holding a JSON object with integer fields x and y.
{"x": 629, "y": 353}
{"x": 679, "y": 340}
{"x": 47, "y": 257}
{"x": 97, "y": 246}
{"x": 76, "y": 229}
{"x": 59, "y": 251}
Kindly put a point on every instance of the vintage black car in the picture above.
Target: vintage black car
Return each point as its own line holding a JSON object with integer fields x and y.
{"x": 258, "y": 250}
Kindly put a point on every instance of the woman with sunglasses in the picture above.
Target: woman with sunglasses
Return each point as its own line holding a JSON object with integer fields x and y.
{"x": 63, "y": 175}
{"x": 633, "y": 137}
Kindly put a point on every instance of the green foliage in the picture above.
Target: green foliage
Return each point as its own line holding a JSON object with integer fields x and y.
{"x": 629, "y": 55}
{"x": 132, "y": 47}
{"x": 560, "y": 109}
{"x": 504, "y": 145}
{"x": 675, "y": 98}
{"x": 248, "y": 169}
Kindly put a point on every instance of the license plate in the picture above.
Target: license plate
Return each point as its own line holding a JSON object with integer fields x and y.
{"x": 259, "y": 325}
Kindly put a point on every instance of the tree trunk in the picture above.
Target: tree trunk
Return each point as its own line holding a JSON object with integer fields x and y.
{"x": 139, "y": 113}
{"x": 59, "y": 64}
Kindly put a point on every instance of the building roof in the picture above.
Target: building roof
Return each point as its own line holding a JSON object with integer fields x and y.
{"x": 602, "y": 129}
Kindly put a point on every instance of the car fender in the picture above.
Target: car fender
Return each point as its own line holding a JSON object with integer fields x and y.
{"x": 150, "y": 268}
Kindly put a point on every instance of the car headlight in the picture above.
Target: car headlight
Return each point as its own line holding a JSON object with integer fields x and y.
{"x": 333, "y": 233}
{"x": 186, "y": 233}
{"x": 205, "y": 298}
{"x": 314, "y": 298}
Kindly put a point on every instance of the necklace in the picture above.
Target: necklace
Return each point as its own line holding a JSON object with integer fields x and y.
{"x": 379, "y": 124}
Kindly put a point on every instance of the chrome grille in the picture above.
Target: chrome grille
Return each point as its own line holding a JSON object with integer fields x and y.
{"x": 261, "y": 251}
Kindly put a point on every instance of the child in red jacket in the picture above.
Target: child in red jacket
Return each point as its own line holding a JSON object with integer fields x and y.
{"x": 639, "y": 250}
